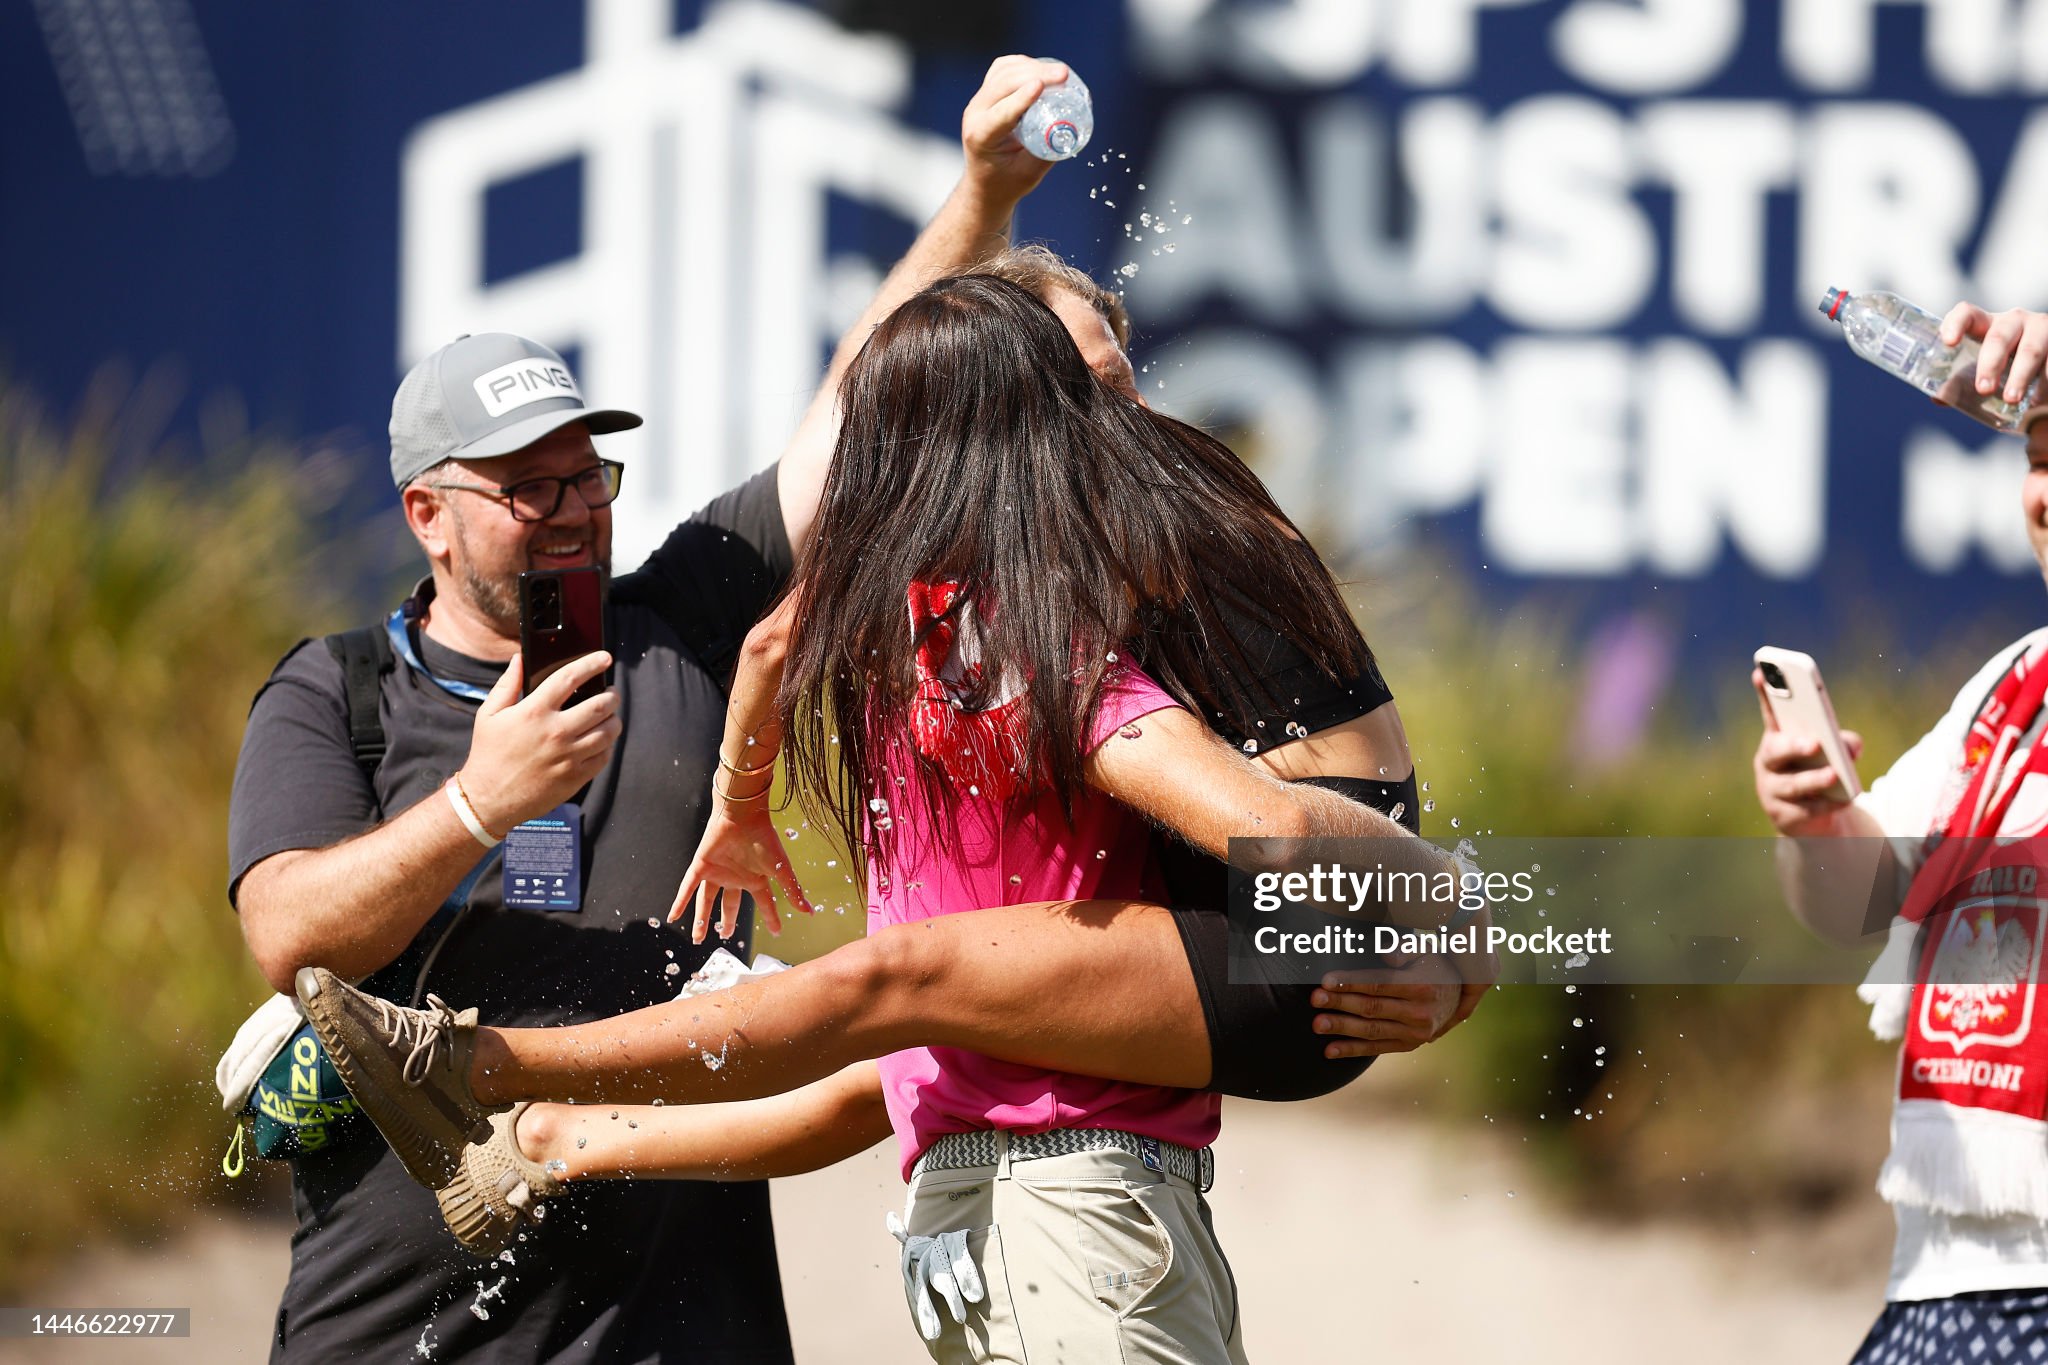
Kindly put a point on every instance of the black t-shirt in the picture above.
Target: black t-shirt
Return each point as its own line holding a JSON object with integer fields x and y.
{"x": 618, "y": 1271}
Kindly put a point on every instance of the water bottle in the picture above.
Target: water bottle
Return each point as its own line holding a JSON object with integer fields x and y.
{"x": 1059, "y": 122}
{"x": 1905, "y": 340}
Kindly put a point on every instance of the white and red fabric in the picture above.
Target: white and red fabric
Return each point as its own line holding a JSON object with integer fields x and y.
{"x": 977, "y": 737}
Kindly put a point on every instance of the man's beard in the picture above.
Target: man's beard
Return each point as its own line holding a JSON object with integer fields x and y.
{"x": 497, "y": 598}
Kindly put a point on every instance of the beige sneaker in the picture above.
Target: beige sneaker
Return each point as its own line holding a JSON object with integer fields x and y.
{"x": 407, "y": 1068}
{"x": 498, "y": 1188}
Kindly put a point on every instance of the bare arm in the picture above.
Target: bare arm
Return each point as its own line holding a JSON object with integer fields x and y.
{"x": 806, "y": 1129}
{"x": 1179, "y": 773}
{"x": 739, "y": 850}
{"x": 353, "y": 906}
{"x": 971, "y": 226}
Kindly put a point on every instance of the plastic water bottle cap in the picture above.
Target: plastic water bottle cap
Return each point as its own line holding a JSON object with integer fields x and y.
{"x": 1831, "y": 303}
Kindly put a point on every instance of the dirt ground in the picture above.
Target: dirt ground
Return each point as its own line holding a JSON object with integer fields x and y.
{"x": 1353, "y": 1240}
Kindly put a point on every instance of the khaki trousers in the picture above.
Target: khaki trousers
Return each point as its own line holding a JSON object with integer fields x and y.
{"x": 1087, "y": 1259}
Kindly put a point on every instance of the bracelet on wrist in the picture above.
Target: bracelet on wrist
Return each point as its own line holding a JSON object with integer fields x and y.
{"x": 729, "y": 799}
{"x": 737, "y": 770}
{"x": 465, "y": 811}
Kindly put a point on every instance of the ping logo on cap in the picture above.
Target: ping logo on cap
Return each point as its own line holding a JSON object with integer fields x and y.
{"x": 522, "y": 382}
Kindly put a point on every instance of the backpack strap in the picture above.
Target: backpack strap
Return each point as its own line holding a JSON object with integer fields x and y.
{"x": 365, "y": 657}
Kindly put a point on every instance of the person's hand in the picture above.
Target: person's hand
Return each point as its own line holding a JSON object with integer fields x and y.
{"x": 2015, "y": 346}
{"x": 1793, "y": 779}
{"x": 740, "y": 851}
{"x": 1380, "y": 1010}
{"x": 997, "y": 163}
{"x": 528, "y": 755}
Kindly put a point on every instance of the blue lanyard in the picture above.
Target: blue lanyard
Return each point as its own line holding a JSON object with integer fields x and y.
{"x": 395, "y": 625}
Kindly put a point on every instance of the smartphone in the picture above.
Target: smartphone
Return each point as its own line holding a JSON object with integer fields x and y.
{"x": 562, "y": 617}
{"x": 1799, "y": 702}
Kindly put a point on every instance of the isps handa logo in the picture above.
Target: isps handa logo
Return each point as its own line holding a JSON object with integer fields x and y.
{"x": 1980, "y": 985}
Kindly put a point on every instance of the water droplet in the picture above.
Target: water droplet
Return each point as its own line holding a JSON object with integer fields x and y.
{"x": 555, "y": 1166}
{"x": 653, "y": 923}
{"x": 1111, "y": 656}
{"x": 1128, "y": 270}
{"x": 582, "y": 1142}
{"x": 1130, "y": 731}
{"x": 878, "y": 806}
{"x": 973, "y": 790}
{"x": 1100, "y": 854}
{"x": 1016, "y": 880}
{"x": 1251, "y": 746}
{"x": 1454, "y": 822}
{"x": 1400, "y": 809}
{"x": 671, "y": 969}
{"x": 1578, "y": 1023}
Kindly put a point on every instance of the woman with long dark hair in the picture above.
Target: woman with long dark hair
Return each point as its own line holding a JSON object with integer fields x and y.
{"x": 1000, "y": 534}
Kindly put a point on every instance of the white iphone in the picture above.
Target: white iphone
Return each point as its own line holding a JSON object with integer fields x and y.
{"x": 1799, "y": 702}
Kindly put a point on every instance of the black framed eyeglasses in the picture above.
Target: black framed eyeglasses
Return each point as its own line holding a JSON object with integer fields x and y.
{"x": 539, "y": 498}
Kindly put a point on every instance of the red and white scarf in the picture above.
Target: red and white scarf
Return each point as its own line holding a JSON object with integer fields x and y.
{"x": 979, "y": 744}
{"x": 1970, "y": 1127}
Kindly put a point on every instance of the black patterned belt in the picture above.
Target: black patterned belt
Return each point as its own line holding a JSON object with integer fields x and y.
{"x": 960, "y": 1151}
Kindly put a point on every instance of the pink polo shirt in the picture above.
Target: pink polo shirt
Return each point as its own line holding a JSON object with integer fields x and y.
{"x": 985, "y": 854}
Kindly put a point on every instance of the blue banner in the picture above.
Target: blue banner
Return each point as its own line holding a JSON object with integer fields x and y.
{"x": 1525, "y": 288}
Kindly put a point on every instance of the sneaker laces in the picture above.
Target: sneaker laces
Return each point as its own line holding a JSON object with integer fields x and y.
{"x": 426, "y": 1032}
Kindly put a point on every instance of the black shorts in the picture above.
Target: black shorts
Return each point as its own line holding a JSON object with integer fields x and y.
{"x": 1262, "y": 1040}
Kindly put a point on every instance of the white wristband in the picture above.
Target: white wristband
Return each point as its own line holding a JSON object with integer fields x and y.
{"x": 466, "y": 813}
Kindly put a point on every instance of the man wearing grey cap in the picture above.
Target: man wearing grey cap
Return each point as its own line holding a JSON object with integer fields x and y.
{"x": 384, "y": 769}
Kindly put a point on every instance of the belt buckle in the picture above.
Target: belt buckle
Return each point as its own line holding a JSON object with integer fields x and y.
{"x": 1148, "y": 1152}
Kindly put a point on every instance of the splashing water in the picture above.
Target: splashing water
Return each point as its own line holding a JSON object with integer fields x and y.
{"x": 484, "y": 1296}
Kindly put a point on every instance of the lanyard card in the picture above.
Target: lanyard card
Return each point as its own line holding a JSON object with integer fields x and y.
{"x": 544, "y": 862}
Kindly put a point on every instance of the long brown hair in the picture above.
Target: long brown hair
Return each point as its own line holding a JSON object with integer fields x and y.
{"x": 976, "y": 445}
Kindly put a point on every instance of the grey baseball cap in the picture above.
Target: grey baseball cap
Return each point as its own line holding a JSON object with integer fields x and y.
{"x": 483, "y": 395}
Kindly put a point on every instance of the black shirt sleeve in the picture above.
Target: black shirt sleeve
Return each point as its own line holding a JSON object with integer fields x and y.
{"x": 297, "y": 783}
{"x": 716, "y": 574}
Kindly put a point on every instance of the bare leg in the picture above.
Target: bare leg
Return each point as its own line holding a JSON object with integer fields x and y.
{"x": 807, "y": 1129}
{"x": 1101, "y": 988}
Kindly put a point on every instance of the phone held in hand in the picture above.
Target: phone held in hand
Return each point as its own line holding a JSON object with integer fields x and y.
{"x": 562, "y": 617}
{"x": 1799, "y": 702}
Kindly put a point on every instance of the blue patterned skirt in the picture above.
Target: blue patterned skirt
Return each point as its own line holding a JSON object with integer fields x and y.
{"x": 1991, "y": 1327}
